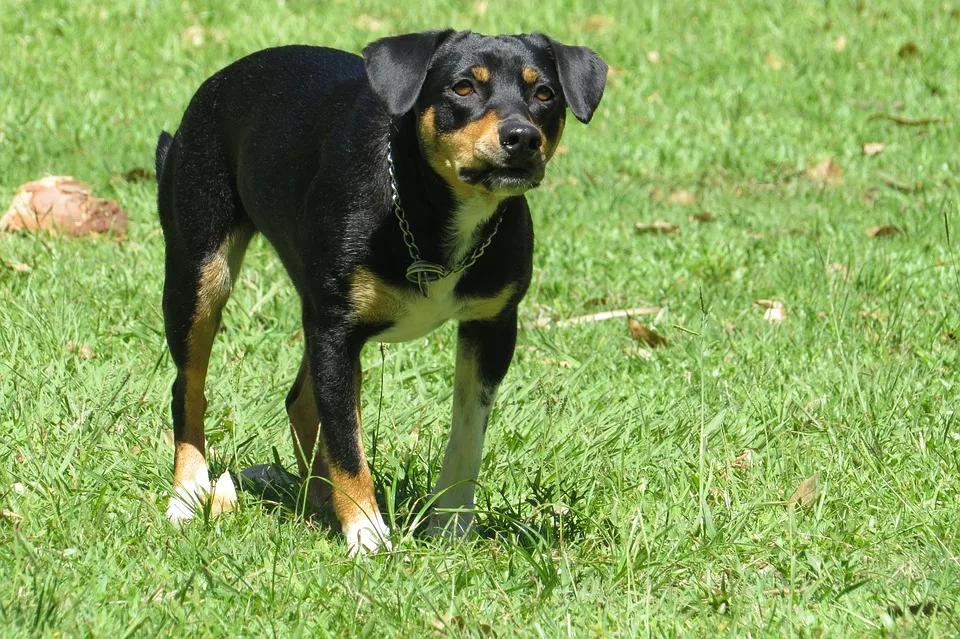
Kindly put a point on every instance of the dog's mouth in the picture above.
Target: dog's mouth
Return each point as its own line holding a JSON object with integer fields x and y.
{"x": 504, "y": 178}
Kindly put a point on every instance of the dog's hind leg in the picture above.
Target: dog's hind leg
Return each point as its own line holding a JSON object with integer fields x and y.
{"x": 206, "y": 237}
{"x": 304, "y": 427}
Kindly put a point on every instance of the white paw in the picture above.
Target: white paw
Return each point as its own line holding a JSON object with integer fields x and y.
{"x": 189, "y": 497}
{"x": 367, "y": 535}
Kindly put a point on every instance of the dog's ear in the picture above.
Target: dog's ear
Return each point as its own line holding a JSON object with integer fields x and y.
{"x": 397, "y": 67}
{"x": 583, "y": 75}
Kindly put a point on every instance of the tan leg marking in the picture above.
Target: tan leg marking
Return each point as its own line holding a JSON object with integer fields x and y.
{"x": 191, "y": 480}
{"x": 356, "y": 506}
{"x": 304, "y": 427}
{"x": 456, "y": 486}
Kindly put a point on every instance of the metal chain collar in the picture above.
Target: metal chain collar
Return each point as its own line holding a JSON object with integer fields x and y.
{"x": 422, "y": 272}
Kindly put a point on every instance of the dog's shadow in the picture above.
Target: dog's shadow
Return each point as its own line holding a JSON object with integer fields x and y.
{"x": 545, "y": 516}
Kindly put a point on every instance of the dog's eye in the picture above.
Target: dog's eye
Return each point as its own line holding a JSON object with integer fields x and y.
{"x": 463, "y": 88}
{"x": 544, "y": 94}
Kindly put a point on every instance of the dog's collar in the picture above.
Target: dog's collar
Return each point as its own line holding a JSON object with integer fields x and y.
{"x": 422, "y": 272}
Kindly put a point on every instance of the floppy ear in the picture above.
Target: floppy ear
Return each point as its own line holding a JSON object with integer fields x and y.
{"x": 397, "y": 67}
{"x": 583, "y": 74}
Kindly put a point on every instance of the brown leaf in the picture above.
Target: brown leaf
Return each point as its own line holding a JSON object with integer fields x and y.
{"x": 840, "y": 44}
{"x": 59, "y": 203}
{"x": 884, "y": 230}
{"x": 805, "y": 493}
{"x": 776, "y": 311}
{"x": 703, "y": 216}
{"x": 682, "y": 198}
{"x": 12, "y": 516}
{"x": 657, "y": 227}
{"x": 82, "y": 350}
{"x": 826, "y": 173}
{"x": 873, "y": 148}
{"x": 18, "y": 267}
{"x": 598, "y": 23}
{"x": 136, "y": 174}
{"x": 169, "y": 436}
{"x": 772, "y": 60}
{"x": 898, "y": 185}
{"x": 370, "y": 23}
{"x": 744, "y": 460}
{"x": 643, "y": 334}
{"x": 905, "y": 121}
{"x": 908, "y": 50}
{"x": 194, "y": 35}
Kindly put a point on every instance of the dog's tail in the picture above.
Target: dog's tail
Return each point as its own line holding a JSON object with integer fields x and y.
{"x": 163, "y": 147}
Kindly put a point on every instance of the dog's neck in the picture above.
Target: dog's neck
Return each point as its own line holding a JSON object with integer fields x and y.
{"x": 446, "y": 225}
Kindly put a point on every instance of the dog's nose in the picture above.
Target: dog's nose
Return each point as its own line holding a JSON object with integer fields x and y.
{"x": 519, "y": 138}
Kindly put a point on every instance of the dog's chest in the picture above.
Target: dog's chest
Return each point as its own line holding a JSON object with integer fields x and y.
{"x": 409, "y": 314}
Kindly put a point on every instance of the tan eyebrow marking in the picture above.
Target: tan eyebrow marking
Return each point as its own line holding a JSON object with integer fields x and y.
{"x": 481, "y": 73}
{"x": 530, "y": 75}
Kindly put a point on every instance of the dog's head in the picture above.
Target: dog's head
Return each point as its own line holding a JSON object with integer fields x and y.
{"x": 489, "y": 110}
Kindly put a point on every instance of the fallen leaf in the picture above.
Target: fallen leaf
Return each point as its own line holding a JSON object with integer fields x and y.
{"x": 898, "y": 185}
{"x": 657, "y": 227}
{"x": 908, "y": 50}
{"x": 194, "y": 35}
{"x": 137, "y": 174}
{"x": 598, "y": 23}
{"x": 12, "y": 516}
{"x": 653, "y": 57}
{"x": 905, "y": 121}
{"x": 682, "y": 198}
{"x": 646, "y": 335}
{"x": 870, "y": 196}
{"x": 873, "y": 148}
{"x": 826, "y": 173}
{"x": 884, "y": 230}
{"x": 805, "y": 493}
{"x": 840, "y": 44}
{"x": 60, "y": 203}
{"x": 169, "y": 436}
{"x": 772, "y": 60}
{"x": 776, "y": 311}
{"x": 19, "y": 267}
{"x": 744, "y": 460}
{"x": 368, "y": 22}
{"x": 82, "y": 350}
{"x": 703, "y": 216}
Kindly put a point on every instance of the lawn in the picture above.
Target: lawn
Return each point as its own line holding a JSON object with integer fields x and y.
{"x": 623, "y": 492}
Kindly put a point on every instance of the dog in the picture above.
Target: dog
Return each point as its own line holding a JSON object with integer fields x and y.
{"x": 392, "y": 188}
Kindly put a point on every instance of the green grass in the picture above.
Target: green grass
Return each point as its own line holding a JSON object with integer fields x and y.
{"x": 612, "y": 506}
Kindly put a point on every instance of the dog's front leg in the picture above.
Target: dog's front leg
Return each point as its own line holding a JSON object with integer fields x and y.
{"x": 484, "y": 351}
{"x": 335, "y": 371}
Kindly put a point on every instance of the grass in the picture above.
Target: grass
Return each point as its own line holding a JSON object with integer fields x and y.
{"x": 612, "y": 503}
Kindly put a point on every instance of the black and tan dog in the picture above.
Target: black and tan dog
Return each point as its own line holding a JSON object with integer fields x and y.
{"x": 391, "y": 186}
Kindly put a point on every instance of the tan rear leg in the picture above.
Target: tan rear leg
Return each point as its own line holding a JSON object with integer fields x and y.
{"x": 304, "y": 428}
{"x": 191, "y": 350}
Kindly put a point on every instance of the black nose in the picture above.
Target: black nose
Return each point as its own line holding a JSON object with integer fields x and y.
{"x": 519, "y": 138}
